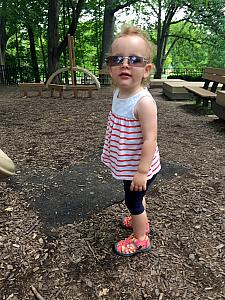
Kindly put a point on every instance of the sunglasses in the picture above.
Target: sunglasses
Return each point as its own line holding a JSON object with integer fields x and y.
{"x": 133, "y": 60}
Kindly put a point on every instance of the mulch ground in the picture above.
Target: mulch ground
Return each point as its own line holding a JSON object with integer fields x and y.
{"x": 74, "y": 260}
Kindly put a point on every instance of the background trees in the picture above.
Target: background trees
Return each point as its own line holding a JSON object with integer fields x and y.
{"x": 111, "y": 7}
{"x": 33, "y": 34}
{"x": 168, "y": 20}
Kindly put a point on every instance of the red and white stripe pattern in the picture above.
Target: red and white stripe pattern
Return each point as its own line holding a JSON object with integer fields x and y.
{"x": 122, "y": 148}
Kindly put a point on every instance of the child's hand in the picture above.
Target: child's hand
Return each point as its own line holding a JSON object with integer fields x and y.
{"x": 139, "y": 182}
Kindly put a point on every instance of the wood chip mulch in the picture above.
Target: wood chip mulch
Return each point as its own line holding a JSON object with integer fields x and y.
{"x": 76, "y": 261}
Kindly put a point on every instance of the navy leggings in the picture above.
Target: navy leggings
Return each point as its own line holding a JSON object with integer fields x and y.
{"x": 133, "y": 199}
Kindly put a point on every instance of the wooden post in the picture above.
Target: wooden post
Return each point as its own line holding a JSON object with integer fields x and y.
{"x": 72, "y": 61}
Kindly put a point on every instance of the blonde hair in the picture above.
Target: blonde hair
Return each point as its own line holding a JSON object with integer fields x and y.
{"x": 131, "y": 30}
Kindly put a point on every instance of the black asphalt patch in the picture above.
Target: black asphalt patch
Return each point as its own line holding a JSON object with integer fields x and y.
{"x": 77, "y": 193}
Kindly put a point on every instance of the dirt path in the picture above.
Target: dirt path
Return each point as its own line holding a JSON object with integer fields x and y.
{"x": 47, "y": 138}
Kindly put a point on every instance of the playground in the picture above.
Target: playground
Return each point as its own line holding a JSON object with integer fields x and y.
{"x": 60, "y": 214}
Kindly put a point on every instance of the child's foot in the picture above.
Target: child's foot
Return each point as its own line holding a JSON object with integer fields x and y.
{"x": 127, "y": 223}
{"x": 131, "y": 246}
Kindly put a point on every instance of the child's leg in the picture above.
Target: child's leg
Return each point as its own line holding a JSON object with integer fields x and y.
{"x": 144, "y": 202}
{"x": 139, "y": 225}
{"x": 127, "y": 221}
{"x": 139, "y": 241}
{"x": 135, "y": 202}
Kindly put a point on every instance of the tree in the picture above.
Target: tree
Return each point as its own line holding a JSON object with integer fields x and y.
{"x": 165, "y": 11}
{"x": 212, "y": 16}
{"x": 4, "y": 35}
{"x": 32, "y": 28}
{"x": 55, "y": 48}
{"x": 33, "y": 53}
{"x": 53, "y": 35}
{"x": 169, "y": 9}
{"x": 30, "y": 16}
{"x": 191, "y": 49}
{"x": 15, "y": 16}
{"x": 111, "y": 7}
{"x": 157, "y": 16}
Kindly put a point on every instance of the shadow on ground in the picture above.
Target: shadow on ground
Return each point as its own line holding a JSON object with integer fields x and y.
{"x": 218, "y": 125}
{"x": 215, "y": 123}
{"x": 77, "y": 193}
{"x": 195, "y": 109}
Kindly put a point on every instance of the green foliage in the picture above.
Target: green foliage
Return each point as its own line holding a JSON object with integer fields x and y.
{"x": 201, "y": 41}
{"x": 196, "y": 47}
{"x": 189, "y": 50}
{"x": 86, "y": 44}
{"x": 190, "y": 44}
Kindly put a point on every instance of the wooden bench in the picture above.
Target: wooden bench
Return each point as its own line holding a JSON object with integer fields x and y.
{"x": 75, "y": 88}
{"x": 176, "y": 90}
{"x": 25, "y": 87}
{"x": 158, "y": 83}
{"x": 214, "y": 75}
{"x": 88, "y": 87}
{"x": 218, "y": 106}
{"x": 57, "y": 87}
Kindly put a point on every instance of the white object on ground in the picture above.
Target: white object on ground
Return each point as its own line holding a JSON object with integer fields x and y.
{"x": 7, "y": 167}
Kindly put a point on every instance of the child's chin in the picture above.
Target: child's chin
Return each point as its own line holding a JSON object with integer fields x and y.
{"x": 124, "y": 86}
{"x": 124, "y": 83}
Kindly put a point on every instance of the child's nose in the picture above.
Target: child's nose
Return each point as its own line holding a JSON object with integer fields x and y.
{"x": 125, "y": 62}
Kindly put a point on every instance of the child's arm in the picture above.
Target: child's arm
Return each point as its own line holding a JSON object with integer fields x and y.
{"x": 146, "y": 111}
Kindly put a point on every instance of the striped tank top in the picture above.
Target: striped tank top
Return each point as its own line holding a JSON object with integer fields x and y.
{"x": 124, "y": 139}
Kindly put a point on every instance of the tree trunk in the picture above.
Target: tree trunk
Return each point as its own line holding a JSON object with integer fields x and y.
{"x": 55, "y": 50}
{"x": 108, "y": 26}
{"x": 3, "y": 40}
{"x": 64, "y": 34}
{"x": 44, "y": 60}
{"x": 162, "y": 38}
{"x": 108, "y": 31}
{"x": 33, "y": 54}
{"x": 53, "y": 37}
{"x": 18, "y": 57}
{"x": 161, "y": 50}
{"x": 73, "y": 26}
{"x": 97, "y": 21}
{"x": 159, "y": 69}
{"x": 158, "y": 72}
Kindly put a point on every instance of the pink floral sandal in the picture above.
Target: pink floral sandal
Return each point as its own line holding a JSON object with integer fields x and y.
{"x": 127, "y": 223}
{"x": 131, "y": 246}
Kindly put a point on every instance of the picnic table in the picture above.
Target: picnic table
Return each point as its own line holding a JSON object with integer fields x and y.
{"x": 218, "y": 106}
{"x": 215, "y": 76}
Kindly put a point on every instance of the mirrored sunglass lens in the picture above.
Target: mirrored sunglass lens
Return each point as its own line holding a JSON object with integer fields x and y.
{"x": 135, "y": 60}
{"x": 118, "y": 60}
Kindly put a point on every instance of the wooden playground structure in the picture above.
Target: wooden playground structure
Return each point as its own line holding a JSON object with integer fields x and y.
{"x": 61, "y": 88}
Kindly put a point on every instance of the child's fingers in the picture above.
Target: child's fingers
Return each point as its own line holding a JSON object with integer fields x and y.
{"x": 137, "y": 188}
{"x": 132, "y": 186}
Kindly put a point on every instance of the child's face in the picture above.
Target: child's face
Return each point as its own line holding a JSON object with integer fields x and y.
{"x": 127, "y": 76}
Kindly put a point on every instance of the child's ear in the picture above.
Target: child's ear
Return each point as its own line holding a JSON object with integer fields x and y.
{"x": 148, "y": 69}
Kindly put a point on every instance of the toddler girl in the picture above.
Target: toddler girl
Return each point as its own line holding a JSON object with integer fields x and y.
{"x": 130, "y": 148}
